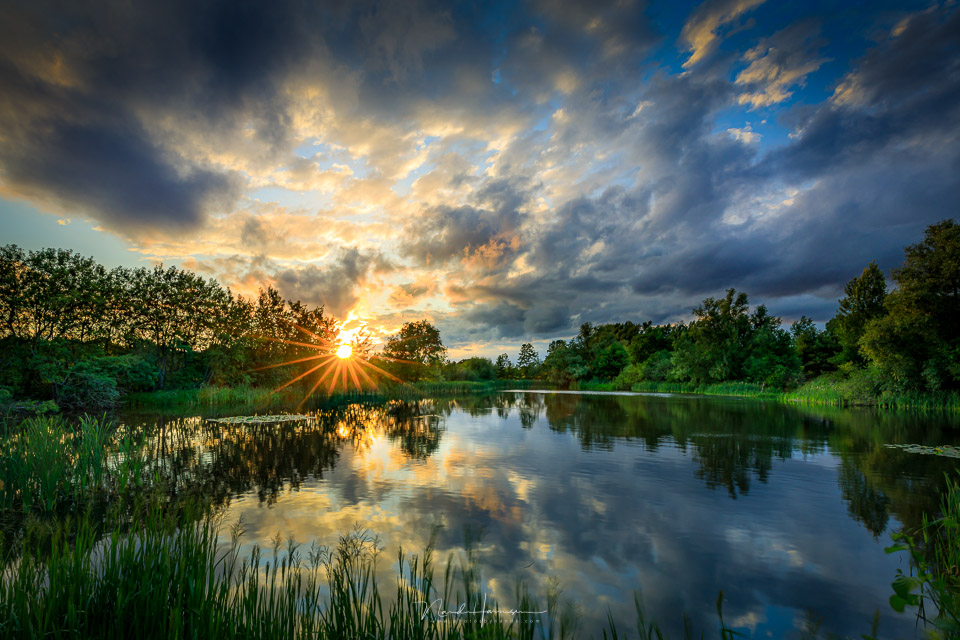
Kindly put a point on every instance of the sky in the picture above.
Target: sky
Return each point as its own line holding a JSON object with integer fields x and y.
{"x": 506, "y": 170}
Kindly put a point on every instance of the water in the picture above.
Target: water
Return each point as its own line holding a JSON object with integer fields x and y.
{"x": 786, "y": 510}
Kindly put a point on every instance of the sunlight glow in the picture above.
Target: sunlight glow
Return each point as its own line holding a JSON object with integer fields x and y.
{"x": 340, "y": 362}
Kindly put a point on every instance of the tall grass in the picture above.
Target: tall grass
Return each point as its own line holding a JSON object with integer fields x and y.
{"x": 213, "y": 396}
{"x": 949, "y": 400}
{"x": 935, "y": 567}
{"x": 165, "y": 578}
{"x": 739, "y": 389}
{"x": 47, "y": 461}
{"x": 37, "y": 464}
{"x": 262, "y": 396}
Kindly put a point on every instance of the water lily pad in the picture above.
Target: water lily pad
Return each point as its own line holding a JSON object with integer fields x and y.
{"x": 942, "y": 450}
{"x": 287, "y": 417}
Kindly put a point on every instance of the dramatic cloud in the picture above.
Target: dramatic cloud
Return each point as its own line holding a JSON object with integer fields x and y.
{"x": 778, "y": 64}
{"x": 701, "y": 32}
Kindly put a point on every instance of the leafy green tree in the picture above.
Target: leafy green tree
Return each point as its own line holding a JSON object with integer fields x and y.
{"x": 417, "y": 349}
{"x": 916, "y": 344}
{"x": 13, "y": 300}
{"x": 815, "y": 348}
{"x": 611, "y": 360}
{"x": 650, "y": 339}
{"x": 863, "y": 301}
{"x": 558, "y": 362}
{"x": 475, "y": 369}
{"x": 772, "y": 359}
{"x": 715, "y": 344}
{"x": 504, "y": 366}
{"x": 658, "y": 367}
{"x": 528, "y": 361}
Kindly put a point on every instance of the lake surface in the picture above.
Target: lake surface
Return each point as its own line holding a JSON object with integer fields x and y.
{"x": 787, "y": 510}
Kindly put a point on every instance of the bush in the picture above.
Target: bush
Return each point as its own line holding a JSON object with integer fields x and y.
{"x": 658, "y": 367}
{"x": 82, "y": 388}
{"x": 131, "y": 372}
{"x": 628, "y": 377}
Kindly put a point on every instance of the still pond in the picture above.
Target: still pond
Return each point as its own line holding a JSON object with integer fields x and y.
{"x": 785, "y": 509}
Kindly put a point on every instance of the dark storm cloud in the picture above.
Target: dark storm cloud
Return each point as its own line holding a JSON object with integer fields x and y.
{"x": 884, "y": 165}
{"x": 444, "y": 233}
{"x": 335, "y": 286}
{"x": 81, "y": 84}
{"x": 95, "y": 80}
{"x": 865, "y": 173}
{"x": 117, "y": 172}
{"x": 903, "y": 99}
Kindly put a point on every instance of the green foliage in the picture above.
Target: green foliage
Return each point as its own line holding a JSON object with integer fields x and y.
{"x": 628, "y": 377}
{"x": 726, "y": 342}
{"x": 917, "y": 343}
{"x": 74, "y": 331}
{"x": 862, "y": 303}
{"x": 934, "y": 557}
{"x": 815, "y": 348}
{"x": 611, "y": 360}
{"x": 651, "y": 340}
{"x": 83, "y": 388}
{"x": 658, "y": 367}
{"x": 850, "y": 385}
{"x": 772, "y": 359}
{"x": 528, "y": 361}
{"x": 715, "y": 344}
{"x": 416, "y": 351}
{"x": 477, "y": 369}
{"x": 743, "y": 389}
{"x": 563, "y": 364}
{"x": 504, "y": 366}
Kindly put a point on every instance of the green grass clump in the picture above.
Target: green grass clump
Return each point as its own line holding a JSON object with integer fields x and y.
{"x": 935, "y": 558}
{"x": 208, "y": 397}
{"x": 212, "y": 397}
{"x": 46, "y": 463}
{"x": 161, "y": 576}
{"x": 739, "y": 389}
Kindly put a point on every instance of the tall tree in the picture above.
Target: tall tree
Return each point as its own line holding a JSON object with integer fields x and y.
{"x": 814, "y": 347}
{"x": 862, "y": 302}
{"x": 557, "y": 361}
{"x": 528, "y": 360}
{"x": 917, "y": 343}
{"x": 417, "y": 349}
{"x": 13, "y": 301}
{"x": 772, "y": 359}
{"x": 715, "y": 345}
{"x": 503, "y": 366}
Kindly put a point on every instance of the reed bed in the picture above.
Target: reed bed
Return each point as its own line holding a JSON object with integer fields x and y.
{"x": 163, "y": 576}
{"x": 152, "y": 566}
{"x": 149, "y": 565}
{"x": 208, "y": 397}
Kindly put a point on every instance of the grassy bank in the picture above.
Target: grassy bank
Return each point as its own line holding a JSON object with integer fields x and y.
{"x": 741, "y": 389}
{"x": 829, "y": 390}
{"x": 247, "y": 395}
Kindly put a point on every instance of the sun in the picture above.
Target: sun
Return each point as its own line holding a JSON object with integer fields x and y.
{"x": 336, "y": 358}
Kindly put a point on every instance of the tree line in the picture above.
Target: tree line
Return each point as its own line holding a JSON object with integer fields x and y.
{"x": 900, "y": 341}
{"x": 81, "y": 334}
